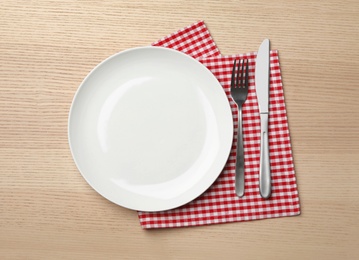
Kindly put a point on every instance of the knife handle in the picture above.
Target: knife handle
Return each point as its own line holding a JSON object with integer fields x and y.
{"x": 264, "y": 168}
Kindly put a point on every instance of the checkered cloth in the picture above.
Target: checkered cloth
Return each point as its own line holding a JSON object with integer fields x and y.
{"x": 220, "y": 204}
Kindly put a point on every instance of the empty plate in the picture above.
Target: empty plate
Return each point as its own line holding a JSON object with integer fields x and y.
{"x": 150, "y": 128}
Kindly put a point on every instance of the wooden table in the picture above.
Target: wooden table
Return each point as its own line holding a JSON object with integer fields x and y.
{"x": 48, "y": 211}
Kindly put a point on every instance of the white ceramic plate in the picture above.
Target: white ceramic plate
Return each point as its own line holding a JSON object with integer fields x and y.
{"x": 150, "y": 128}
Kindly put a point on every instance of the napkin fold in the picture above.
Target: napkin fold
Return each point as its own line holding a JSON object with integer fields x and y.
{"x": 220, "y": 204}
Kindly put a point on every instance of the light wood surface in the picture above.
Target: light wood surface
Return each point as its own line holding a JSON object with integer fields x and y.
{"x": 47, "y": 210}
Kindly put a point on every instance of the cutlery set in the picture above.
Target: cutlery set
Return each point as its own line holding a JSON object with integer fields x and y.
{"x": 239, "y": 91}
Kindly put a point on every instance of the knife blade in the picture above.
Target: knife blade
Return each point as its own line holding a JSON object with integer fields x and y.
{"x": 262, "y": 90}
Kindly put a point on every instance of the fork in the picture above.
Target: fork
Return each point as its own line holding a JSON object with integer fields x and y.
{"x": 239, "y": 92}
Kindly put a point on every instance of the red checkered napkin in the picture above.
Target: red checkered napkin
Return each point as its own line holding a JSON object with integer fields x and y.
{"x": 220, "y": 204}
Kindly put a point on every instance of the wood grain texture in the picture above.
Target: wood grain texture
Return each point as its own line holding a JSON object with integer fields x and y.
{"x": 47, "y": 211}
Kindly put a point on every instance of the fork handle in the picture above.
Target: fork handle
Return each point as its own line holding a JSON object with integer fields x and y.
{"x": 239, "y": 179}
{"x": 264, "y": 168}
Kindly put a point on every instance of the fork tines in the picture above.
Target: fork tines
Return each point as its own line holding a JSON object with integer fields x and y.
{"x": 240, "y": 74}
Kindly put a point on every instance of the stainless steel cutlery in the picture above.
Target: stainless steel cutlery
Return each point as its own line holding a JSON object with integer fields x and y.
{"x": 239, "y": 92}
{"x": 262, "y": 90}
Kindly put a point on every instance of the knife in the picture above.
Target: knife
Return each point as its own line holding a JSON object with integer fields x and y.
{"x": 262, "y": 89}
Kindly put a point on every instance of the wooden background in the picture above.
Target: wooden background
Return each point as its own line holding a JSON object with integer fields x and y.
{"x": 47, "y": 210}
